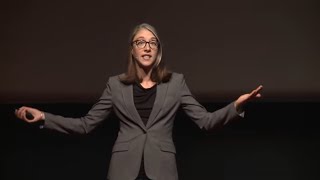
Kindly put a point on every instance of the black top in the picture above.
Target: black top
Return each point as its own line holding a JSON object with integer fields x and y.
{"x": 144, "y": 100}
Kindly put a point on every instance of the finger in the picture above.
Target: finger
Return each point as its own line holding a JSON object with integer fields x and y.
{"x": 19, "y": 113}
{"x": 256, "y": 91}
{"x": 253, "y": 93}
{"x": 32, "y": 120}
{"x": 259, "y": 88}
{"x": 22, "y": 113}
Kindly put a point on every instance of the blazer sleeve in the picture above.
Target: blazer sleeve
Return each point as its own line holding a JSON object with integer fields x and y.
{"x": 83, "y": 125}
{"x": 204, "y": 119}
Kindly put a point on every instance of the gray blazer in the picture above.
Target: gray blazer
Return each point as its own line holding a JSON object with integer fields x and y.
{"x": 153, "y": 140}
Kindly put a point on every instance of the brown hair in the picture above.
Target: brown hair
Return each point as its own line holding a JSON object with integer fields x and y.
{"x": 159, "y": 72}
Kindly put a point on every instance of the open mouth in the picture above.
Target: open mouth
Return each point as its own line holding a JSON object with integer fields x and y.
{"x": 146, "y": 57}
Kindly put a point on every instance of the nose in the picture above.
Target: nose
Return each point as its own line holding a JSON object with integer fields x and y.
{"x": 147, "y": 47}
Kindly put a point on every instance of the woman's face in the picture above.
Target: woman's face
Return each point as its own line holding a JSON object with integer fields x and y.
{"x": 145, "y": 48}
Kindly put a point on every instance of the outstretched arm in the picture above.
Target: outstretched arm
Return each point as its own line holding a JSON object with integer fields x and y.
{"x": 82, "y": 125}
{"x": 209, "y": 120}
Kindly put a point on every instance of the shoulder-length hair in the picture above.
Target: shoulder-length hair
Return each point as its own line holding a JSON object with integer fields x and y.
{"x": 159, "y": 72}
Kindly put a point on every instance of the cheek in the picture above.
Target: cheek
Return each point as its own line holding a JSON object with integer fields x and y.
{"x": 135, "y": 53}
{"x": 155, "y": 54}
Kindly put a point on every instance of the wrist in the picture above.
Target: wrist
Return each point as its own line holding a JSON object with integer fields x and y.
{"x": 238, "y": 107}
{"x": 42, "y": 116}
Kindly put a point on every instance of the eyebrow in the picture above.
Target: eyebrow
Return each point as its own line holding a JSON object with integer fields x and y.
{"x": 141, "y": 37}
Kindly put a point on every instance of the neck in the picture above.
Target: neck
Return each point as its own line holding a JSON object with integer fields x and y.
{"x": 145, "y": 75}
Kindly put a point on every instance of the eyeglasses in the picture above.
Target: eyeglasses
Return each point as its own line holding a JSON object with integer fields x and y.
{"x": 142, "y": 44}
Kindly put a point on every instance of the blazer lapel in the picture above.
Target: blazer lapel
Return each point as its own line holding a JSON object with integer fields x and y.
{"x": 160, "y": 98}
{"x": 127, "y": 94}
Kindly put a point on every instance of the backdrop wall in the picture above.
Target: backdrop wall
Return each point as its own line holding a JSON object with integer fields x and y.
{"x": 64, "y": 51}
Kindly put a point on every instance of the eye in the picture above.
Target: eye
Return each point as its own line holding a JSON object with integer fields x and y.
{"x": 140, "y": 43}
{"x": 154, "y": 43}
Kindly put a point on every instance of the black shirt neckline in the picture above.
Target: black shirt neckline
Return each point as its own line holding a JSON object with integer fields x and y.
{"x": 141, "y": 87}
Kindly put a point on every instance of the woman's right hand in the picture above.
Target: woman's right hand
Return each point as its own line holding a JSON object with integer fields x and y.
{"x": 21, "y": 113}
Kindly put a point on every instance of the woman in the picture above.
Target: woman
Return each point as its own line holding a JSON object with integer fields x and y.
{"x": 145, "y": 99}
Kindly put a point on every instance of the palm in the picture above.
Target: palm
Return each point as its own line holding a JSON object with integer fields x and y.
{"x": 244, "y": 98}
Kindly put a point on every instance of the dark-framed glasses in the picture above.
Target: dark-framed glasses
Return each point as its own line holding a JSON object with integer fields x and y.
{"x": 142, "y": 44}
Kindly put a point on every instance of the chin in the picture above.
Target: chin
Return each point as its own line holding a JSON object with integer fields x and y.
{"x": 146, "y": 64}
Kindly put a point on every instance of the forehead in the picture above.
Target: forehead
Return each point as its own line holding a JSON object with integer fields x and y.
{"x": 144, "y": 34}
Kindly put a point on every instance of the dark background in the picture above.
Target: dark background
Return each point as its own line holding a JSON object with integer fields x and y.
{"x": 57, "y": 56}
{"x": 64, "y": 51}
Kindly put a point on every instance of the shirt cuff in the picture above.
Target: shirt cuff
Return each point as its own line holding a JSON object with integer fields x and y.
{"x": 241, "y": 114}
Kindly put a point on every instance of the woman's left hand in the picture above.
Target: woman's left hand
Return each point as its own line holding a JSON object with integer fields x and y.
{"x": 243, "y": 99}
